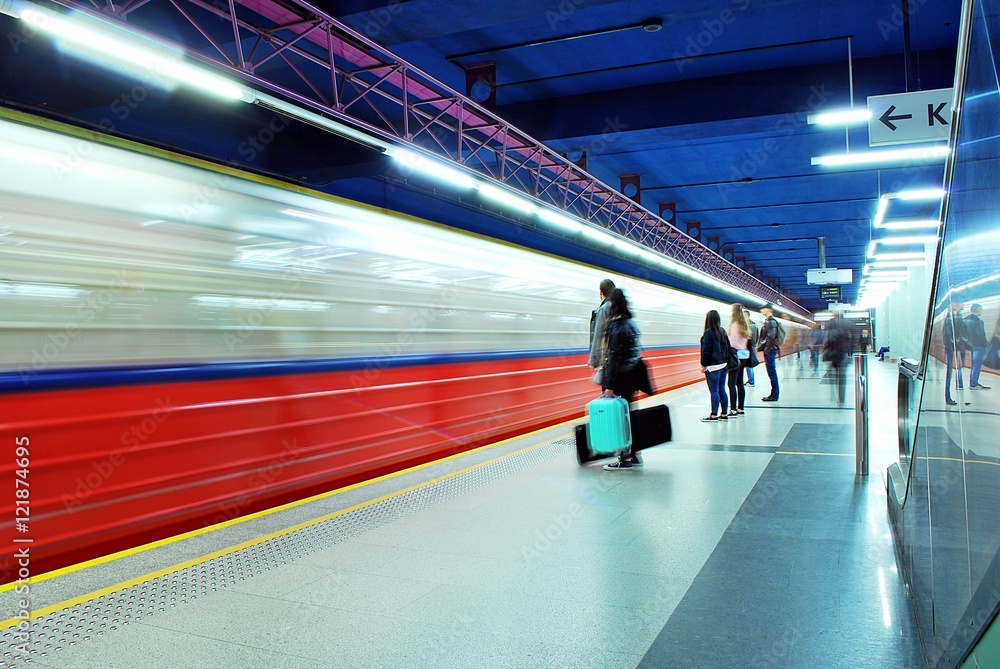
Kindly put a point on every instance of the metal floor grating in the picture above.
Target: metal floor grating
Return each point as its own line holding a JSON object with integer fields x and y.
{"x": 80, "y": 623}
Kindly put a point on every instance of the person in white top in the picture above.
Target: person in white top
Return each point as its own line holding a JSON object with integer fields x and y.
{"x": 739, "y": 338}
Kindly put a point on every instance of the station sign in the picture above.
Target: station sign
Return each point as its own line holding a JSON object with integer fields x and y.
{"x": 825, "y": 276}
{"x": 830, "y": 293}
{"x": 906, "y": 118}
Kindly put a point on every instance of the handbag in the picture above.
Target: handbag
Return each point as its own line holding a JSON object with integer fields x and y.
{"x": 642, "y": 380}
{"x": 733, "y": 361}
{"x": 598, "y": 375}
{"x": 991, "y": 358}
{"x": 753, "y": 360}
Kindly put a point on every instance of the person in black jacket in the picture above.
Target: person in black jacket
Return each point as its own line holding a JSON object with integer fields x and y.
{"x": 714, "y": 363}
{"x": 956, "y": 340}
{"x": 768, "y": 345}
{"x": 621, "y": 359}
{"x": 978, "y": 343}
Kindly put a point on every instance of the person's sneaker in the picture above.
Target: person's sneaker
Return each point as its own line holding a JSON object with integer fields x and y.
{"x": 768, "y": 399}
{"x": 748, "y": 384}
{"x": 980, "y": 386}
{"x": 709, "y": 419}
{"x": 635, "y": 460}
{"x": 950, "y": 403}
{"x": 734, "y": 414}
{"x": 723, "y": 416}
{"x": 616, "y": 465}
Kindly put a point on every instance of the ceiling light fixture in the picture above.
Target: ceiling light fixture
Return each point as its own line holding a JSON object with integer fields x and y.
{"x": 930, "y": 153}
{"x": 431, "y": 167}
{"x": 839, "y": 117}
{"x": 911, "y": 224}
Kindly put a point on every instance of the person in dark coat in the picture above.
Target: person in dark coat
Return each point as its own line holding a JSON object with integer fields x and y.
{"x": 836, "y": 351}
{"x": 956, "y": 341}
{"x": 978, "y": 343}
{"x": 622, "y": 358}
{"x": 715, "y": 363}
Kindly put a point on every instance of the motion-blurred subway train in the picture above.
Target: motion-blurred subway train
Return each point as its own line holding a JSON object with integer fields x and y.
{"x": 181, "y": 344}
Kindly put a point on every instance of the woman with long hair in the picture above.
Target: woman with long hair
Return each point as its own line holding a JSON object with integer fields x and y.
{"x": 622, "y": 355}
{"x": 739, "y": 338}
{"x": 714, "y": 361}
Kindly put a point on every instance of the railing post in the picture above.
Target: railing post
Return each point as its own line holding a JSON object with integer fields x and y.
{"x": 861, "y": 414}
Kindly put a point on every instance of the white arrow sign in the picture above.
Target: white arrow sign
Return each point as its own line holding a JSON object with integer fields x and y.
{"x": 905, "y": 118}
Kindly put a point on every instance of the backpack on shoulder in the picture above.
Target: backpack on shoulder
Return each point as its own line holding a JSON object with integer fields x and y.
{"x": 780, "y": 336}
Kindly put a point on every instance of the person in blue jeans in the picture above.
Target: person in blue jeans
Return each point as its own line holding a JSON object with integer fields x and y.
{"x": 978, "y": 343}
{"x": 956, "y": 342}
{"x": 753, "y": 343}
{"x": 715, "y": 363}
{"x": 769, "y": 347}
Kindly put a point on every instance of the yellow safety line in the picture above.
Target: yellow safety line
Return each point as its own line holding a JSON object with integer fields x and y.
{"x": 941, "y": 458}
{"x": 265, "y": 512}
{"x": 34, "y": 615}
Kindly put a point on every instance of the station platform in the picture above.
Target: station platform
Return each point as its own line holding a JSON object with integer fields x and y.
{"x": 743, "y": 543}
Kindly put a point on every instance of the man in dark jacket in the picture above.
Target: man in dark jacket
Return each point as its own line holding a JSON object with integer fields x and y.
{"x": 769, "y": 347}
{"x": 978, "y": 342}
{"x": 956, "y": 340}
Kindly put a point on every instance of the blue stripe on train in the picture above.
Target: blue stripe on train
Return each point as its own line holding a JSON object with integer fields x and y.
{"x": 27, "y": 379}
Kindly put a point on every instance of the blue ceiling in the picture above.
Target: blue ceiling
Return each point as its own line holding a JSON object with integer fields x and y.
{"x": 709, "y": 110}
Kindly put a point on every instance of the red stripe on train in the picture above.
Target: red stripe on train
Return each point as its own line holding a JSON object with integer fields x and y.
{"x": 114, "y": 468}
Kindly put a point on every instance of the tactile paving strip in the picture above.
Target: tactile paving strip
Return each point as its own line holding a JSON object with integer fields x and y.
{"x": 104, "y": 614}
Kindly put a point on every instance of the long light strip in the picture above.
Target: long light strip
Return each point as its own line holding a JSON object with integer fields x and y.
{"x": 431, "y": 167}
{"x": 840, "y": 117}
{"x": 894, "y": 255}
{"x": 504, "y": 196}
{"x": 911, "y": 224}
{"x": 932, "y": 153}
{"x": 159, "y": 65}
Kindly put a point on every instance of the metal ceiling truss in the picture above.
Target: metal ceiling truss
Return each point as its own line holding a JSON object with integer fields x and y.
{"x": 343, "y": 75}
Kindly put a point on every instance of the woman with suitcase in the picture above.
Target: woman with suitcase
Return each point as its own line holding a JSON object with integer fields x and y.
{"x": 621, "y": 359}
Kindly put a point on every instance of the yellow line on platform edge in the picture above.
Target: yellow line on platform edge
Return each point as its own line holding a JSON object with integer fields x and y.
{"x": 52, "y": 608}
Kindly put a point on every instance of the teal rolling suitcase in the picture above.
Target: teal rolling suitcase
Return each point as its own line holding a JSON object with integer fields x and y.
{"x": 609, "y": 431}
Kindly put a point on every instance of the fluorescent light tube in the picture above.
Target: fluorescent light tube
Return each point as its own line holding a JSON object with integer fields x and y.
{"x": 506, "y": 197}
{"x": 119, "y": 50}
{"x": 899, "y": 256}
{"x": 560, "y": 220}
{"x": 899, "y": 241}
{"x": 840, "y": 117}
{"x": 920, "y": 194}
{"x": 886, "y": 156}
{"x": 913, "y": 224}
{"x": 431, "y": 167}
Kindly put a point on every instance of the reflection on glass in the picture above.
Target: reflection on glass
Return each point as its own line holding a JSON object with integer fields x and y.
{"x": 950, "y": 413}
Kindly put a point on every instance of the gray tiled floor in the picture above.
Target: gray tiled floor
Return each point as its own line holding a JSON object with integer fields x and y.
{"x": 554, "y": 566}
